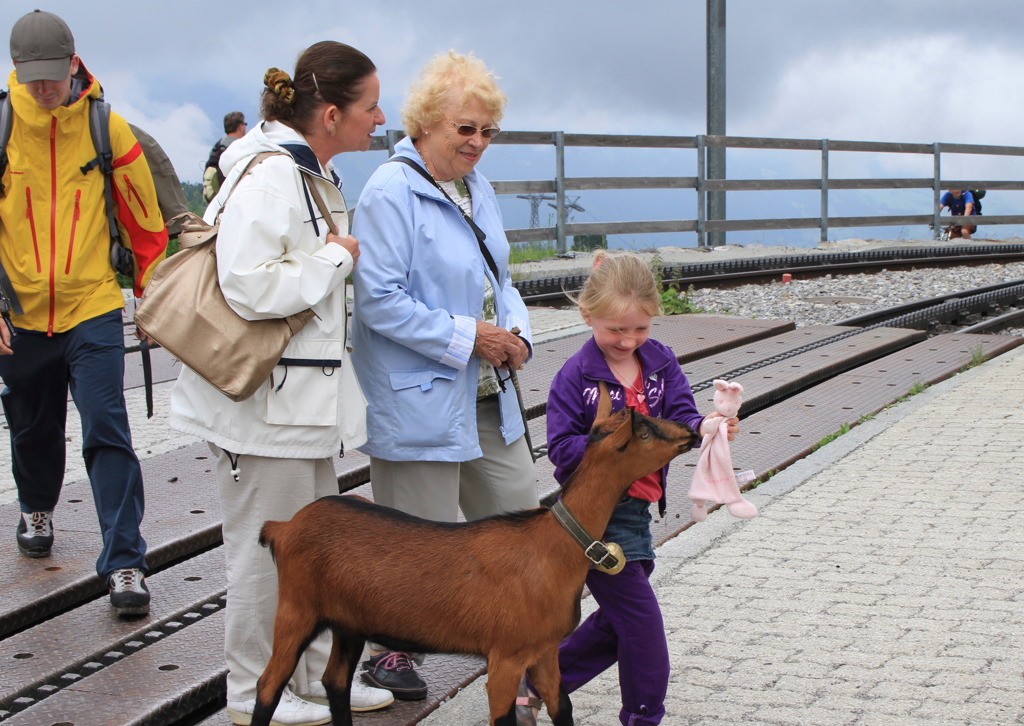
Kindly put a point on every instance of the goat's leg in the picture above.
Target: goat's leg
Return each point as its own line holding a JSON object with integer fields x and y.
{"x": 503, "y": 678}
{"x": 341, "y": 668}
{"x": 547, "y": 679}
{"x": 294, "y": 628}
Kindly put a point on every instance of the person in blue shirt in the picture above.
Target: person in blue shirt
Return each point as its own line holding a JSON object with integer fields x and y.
{"x": 961, "y": 203}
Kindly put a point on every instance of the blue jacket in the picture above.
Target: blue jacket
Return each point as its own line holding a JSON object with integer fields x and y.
{"x": 573, "y": 398}
{"x": 419, "y": 291}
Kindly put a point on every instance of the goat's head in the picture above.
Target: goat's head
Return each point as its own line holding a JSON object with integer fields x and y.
{"x": 637, "y": 445}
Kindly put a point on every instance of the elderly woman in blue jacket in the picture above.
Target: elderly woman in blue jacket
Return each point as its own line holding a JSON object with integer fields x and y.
{"x": 438, "y": 327}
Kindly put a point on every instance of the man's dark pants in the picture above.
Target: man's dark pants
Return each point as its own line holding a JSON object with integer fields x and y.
{"x": 88, "y": 360}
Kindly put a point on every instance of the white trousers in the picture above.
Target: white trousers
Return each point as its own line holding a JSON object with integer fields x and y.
{"x": 268, "y": 489}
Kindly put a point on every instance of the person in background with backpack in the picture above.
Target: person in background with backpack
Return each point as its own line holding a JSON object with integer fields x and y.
{"x": 55, "y": 245}
{"x": 961, "y": 203}
{"x": 234, "y": 128}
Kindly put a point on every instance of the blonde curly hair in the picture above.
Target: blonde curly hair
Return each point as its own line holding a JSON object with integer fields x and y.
{"x": 450, "y": 80}
{"x": 619, "y": 283}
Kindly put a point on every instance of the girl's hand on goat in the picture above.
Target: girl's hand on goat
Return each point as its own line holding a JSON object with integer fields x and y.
{"x": 350, "y": 243}
{"x": 712, "y": 421}
{"x": 499, "y": 347}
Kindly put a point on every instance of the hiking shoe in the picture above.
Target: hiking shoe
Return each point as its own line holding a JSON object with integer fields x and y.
{"x": 392, "y": 670}
{"x": 128, "y": 592}
{"x": 35, "y": 533}
{"x": 361, "y": 696}
{"x": 291, "y": 711}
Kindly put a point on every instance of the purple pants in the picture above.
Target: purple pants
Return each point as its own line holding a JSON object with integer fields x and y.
{"x": 628, "y": 629}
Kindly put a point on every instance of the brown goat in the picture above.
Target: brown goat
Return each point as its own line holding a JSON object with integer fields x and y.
{"x": 507, "y": 587}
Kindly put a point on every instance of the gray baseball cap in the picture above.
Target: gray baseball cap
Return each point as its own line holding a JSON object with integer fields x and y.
{"x": 41, "y": 47}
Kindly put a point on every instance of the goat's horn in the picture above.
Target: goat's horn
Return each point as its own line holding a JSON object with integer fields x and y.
{"x": 604, "y": 402}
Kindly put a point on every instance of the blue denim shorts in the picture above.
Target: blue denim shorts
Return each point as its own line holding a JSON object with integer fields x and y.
{"x": 630, "y": 528}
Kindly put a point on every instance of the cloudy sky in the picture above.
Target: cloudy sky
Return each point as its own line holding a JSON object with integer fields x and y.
{"x": 875, "y": 70}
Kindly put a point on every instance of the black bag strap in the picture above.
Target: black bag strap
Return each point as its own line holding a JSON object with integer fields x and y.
{"x": 321, "y": 205}
{"x": 99, "y": 127}
{"x": 6, "y": 124}
{"x": 8, "y": 296}
{"x": 480, "y": 235}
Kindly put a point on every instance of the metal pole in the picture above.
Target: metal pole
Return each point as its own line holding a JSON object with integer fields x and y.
{"x": 716, "y": 111}
{"x": 824, "y": 190}
{"x": 393, "y": 137}
{"x": 702, "y": 234}
{"x": 936, "y": 190}
{"x": 561, "y": 242}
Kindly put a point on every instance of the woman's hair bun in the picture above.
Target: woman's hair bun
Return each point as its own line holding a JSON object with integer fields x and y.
{"x": 280, "y": 83}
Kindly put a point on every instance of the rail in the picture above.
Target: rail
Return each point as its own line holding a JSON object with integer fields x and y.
{"x": 560, "y": 185}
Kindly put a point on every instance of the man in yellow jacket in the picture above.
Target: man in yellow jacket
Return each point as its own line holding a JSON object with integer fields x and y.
{"x": 55, "y": 248}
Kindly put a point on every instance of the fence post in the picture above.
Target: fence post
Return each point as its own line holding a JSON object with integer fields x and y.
{"x": 561, "y": 242}
{"x": 702, "y": 234}
{"x": 824, "y": 190}
{"x": 393, "y": 137}
{"x": 936, "y": 189}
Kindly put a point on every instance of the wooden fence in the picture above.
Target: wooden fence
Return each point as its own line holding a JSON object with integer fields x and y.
{"x": 560, "y": 185}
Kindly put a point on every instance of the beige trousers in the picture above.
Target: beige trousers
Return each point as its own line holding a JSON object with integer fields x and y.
{"x": 268, "y": 489}
{"x": 502, "y": 480}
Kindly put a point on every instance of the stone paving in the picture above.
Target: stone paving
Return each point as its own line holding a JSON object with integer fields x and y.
{"x": 881, "y": 583}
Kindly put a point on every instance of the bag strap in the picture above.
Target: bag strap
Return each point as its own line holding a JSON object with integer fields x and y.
{"x": 99, "y": 129}
{"x": 8, "y": 295}
{"x": 321, "y": 205}
{"x": 249, "y": 166}
{"x": 480, "y": 235}
{"x": 6, "y": 123}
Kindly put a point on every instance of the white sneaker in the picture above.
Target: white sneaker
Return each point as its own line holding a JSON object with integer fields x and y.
{"x": 291, "y": 711}
{"x": 361, "y": 698}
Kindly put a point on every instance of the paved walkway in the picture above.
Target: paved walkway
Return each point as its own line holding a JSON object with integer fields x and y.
{"x": 881, "y": 584}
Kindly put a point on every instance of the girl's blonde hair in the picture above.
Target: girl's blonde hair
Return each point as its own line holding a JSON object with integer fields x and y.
{"x": 619, "y": 283}
{"x": 451, "y": 78}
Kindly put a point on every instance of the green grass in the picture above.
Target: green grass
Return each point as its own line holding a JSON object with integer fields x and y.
{"x": 844, "y": 429}
{"x": 918, "y": 387}
{"x": 674, "y": 302}
{"x": 532, "y": 251}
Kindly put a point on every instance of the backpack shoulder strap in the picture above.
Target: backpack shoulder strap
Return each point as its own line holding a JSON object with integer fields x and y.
{"x": 6, "y": 124}
{"x": 8, "y": 295}
{"x": 99, "y": 129}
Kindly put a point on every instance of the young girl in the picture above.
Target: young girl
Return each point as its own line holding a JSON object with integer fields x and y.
{"x": 618, "y": 301}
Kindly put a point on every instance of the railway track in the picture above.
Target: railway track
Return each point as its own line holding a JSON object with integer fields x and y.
{"x": 63, "y": 659}
{"x": 761, "y": 269}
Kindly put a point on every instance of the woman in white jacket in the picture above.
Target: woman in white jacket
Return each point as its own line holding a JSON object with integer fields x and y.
{"x": 276, "y": 257}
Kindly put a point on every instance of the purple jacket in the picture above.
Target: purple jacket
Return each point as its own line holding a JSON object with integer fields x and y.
{"x": 572, "y": 401}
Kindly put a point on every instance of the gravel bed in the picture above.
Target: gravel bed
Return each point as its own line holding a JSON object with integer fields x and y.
{"x": 829, "y": 299}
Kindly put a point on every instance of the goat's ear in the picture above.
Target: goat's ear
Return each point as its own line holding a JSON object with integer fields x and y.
{"x": 639, "y": 425}
{"x": 604, "y": 401}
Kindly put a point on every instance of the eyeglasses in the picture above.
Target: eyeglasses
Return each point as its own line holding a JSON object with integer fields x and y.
{"x": 467, "y": 130}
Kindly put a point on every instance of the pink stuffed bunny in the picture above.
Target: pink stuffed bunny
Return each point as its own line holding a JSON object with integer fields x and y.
{"x": 714, "y": 479}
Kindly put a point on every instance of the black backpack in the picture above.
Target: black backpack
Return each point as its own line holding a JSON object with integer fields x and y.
{"x": 977, "y": 194}
{"x": 214, "y": 159}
